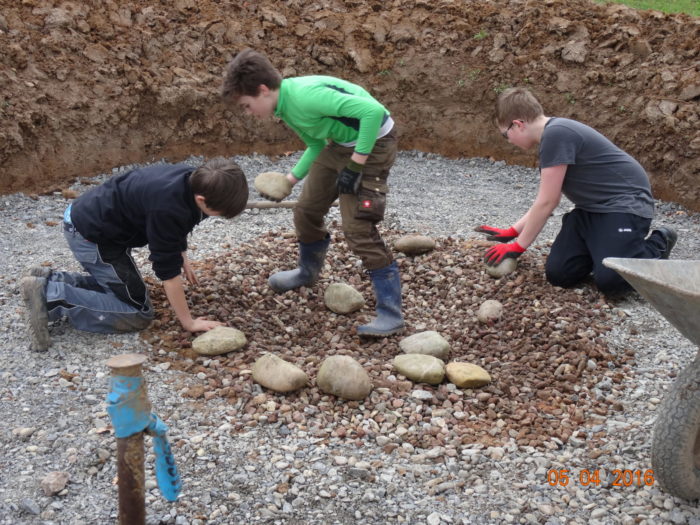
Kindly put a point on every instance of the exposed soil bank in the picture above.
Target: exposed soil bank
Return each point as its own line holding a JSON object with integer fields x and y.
{"x": 89, "y": 85}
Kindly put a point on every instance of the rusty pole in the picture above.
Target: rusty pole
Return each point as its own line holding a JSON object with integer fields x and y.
{"x": 130, "y": 451}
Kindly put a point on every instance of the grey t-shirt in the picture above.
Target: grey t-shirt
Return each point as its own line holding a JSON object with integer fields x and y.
{"x": 600, "y": 177}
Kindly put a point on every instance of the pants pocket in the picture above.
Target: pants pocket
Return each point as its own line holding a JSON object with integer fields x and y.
{"x": 371, "y": 205}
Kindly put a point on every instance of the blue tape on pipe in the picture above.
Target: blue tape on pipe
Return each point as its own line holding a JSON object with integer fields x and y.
{"x": 126, "y": 407}
{"x": 166, "y": 471}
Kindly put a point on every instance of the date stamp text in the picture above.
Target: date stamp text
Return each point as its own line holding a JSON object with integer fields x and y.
{"x": 587, "y": 477}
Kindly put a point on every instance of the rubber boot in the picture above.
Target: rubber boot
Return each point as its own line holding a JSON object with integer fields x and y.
{"x": 387, "y": 291}
{"x": 311, "y": 259}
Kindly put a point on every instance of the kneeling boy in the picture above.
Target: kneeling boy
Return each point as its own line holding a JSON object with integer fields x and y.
{"x": 158, "y": 206}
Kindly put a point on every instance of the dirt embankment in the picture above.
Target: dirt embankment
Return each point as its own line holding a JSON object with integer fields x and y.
{"x": 89, "y": 85}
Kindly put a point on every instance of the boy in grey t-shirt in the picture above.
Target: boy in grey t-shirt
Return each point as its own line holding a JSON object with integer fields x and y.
{"x": 609, "y": 188}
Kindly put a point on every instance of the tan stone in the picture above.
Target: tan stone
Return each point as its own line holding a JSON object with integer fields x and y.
{"x": 54, "y": 482}
{"x": 467, "y": 375}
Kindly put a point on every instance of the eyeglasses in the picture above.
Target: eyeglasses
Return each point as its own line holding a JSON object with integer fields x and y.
{"x": 505, "y": 133}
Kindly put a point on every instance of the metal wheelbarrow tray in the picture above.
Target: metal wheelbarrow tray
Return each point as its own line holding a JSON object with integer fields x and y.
{"x": 673, "y": 288}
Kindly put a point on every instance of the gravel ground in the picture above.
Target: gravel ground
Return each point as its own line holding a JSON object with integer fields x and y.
{"x": 54, "y": 415}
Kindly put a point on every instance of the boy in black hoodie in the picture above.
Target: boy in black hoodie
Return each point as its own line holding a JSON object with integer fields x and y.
{"x": 158, "y": 206}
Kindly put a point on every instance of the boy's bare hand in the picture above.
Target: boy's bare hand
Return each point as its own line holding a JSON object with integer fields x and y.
{"x": 202, "y": 324}
{"x": 188, "y": 271}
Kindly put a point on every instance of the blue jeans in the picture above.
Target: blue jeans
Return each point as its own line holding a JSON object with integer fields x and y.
{"x": 112, "y": 298}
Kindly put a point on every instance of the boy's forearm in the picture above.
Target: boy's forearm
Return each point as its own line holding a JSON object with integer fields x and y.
{"x": 176, "y": 296}
{"x": 359, "y": 158}
{"x": 302, "y": 167}
{"x": 548, "y": 197}
{"x": 521, "y": 222}
{"x": 535, "y": 219}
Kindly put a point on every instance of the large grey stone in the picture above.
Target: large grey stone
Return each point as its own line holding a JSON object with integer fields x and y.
{"x": 342, "y": 298}
{"x": 429, "y": 343}
{"x": 219, "y": 340}
{"x": 279, "y": 375}
{"x": 342, "y": 376}
{"x": 414, "y": 244}
{"x": 420, "y": 368}
{"x": 489, "y": 311}
{"x": 273, "y": 184}
{"x": 506, "y": 266}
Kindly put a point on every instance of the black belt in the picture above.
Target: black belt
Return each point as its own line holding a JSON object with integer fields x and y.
{"x": 68, "y": 227}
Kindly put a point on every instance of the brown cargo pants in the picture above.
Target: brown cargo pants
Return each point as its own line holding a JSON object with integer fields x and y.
{"x": 360, "y": 213}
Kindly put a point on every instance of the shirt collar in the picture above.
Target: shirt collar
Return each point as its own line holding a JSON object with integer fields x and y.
{"x": 279, "y": 109}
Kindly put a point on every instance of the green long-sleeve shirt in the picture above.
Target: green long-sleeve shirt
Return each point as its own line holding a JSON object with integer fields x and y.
{"x": 319, "y": 108}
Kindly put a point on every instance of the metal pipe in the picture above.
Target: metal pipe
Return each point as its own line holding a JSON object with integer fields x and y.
{"x": 132, "y": 494}
{"x": 130, "y": 450}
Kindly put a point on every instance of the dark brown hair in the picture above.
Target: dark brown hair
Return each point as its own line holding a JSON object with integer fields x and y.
{"x": 517, "y": 104}
{"x": 223, "y": 185}
{"x": 246, "y": 73}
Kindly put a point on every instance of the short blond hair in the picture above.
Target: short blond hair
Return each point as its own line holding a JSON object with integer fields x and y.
{"x": 517, "y": 104}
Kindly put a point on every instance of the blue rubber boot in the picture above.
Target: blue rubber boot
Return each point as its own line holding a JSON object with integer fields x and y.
{"x": 387, "y": 291}
{"x": 311, "y": 258}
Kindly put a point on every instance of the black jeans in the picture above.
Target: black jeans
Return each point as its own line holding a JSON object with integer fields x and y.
{"x": 586, "y": 238}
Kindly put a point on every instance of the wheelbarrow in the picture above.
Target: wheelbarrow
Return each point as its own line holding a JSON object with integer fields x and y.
{"x": 673, "y": 288}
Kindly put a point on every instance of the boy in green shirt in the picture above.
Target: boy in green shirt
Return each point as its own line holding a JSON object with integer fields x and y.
{"x": 351, "y": 146}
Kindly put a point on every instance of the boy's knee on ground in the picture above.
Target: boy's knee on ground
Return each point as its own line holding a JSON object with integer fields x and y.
{"x": 143, "y": 322}
{"x": 558, "y": 277}
{"x": 609, "y": 282}
{"x": 134, "y": 322}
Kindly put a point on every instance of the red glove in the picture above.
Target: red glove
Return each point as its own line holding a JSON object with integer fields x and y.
{"x": 496, "y": 254}
{"x": 497, "y": 234}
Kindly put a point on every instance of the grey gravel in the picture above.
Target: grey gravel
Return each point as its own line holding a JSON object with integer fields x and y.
{"x": 54, "y": 416}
